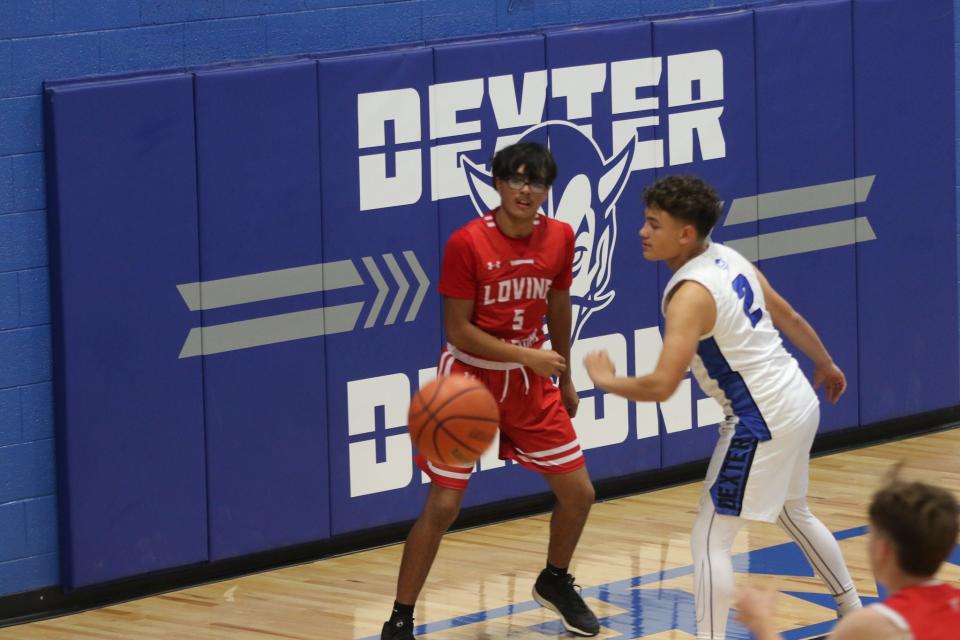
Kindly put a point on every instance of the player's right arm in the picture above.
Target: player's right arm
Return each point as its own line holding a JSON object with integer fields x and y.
{"x": 800, "y": 333}
{"x": 691, "y": 313}
{"x": 467, "y": 336}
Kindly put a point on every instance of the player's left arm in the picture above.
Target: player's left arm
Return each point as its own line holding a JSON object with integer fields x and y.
{"x": 691, "y": 313}
{"x": 559, "y": 320}
{"x": 801, "y": 333}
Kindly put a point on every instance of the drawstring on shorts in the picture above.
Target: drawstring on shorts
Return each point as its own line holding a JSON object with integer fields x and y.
{"x": 506, "y": 383}
{"x": 493, "y": 365}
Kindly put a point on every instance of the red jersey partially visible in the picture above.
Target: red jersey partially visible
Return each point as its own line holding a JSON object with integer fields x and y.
{"x": 928, "y": 611}
{"x": 508, "y": 278}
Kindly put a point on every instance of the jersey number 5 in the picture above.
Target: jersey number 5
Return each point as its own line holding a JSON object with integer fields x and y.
{"x": 744, "y": 291}
{"x": 518, "y": 319}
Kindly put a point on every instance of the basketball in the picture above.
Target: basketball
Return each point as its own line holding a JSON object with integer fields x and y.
{"x": 453, "y": 420}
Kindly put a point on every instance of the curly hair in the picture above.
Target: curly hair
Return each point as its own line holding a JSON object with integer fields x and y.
{"x": 687, "y": 198}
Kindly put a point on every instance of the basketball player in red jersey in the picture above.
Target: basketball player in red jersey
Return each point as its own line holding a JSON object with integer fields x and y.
{"x": 913, "y": 528}
{"x": 501, "y": 275}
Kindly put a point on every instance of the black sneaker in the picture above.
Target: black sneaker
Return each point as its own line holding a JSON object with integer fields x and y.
{"x": 399, "y": 630}
{"x": 559, "y": 594}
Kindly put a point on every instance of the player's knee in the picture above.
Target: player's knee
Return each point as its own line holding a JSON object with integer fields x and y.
{"x": 701, "y": 524}
{"x": 586, "y": 495}
{"x": 441, "y": 518}
{"x": 696, "y": 538}
{"x": 441, "y": 513}
{"x": 580, "y": 497}
{"x": 713, "y": 533}
{"x": 794, "y": 510}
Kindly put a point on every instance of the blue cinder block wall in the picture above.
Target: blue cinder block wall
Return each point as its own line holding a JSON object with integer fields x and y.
{"x": 57, "y": 39}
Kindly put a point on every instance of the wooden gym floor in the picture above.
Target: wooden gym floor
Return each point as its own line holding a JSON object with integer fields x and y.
{"x": 633, "y": 563}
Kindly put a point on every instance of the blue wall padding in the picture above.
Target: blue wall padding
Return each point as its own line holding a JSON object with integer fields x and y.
{"x": 601, "y": 45}
{"x": 259, "y": 182}
{"x": 732, "y": 34}
{"x": 394, "y": 341}
{"x": 804, "y": 139}
{"x": 284, "y": 420}
{"x": 130, "y": 427}
{"x": 906, "y": 286}
{"x": 634, "y": 303}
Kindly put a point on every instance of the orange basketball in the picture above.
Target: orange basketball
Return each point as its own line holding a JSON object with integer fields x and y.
{"x": 453, "y": 420}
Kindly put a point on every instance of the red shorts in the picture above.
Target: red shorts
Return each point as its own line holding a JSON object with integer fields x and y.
{"x": 535, "y": 428}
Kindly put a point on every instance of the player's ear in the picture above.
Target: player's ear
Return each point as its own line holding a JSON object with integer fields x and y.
{"x": 889, "y": 550}
{"x": 883, "y": 546}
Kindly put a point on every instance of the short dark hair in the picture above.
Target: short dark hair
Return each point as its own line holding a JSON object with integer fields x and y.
{"x": 921, "y": 522}
{"x": 687, "y": 198}
{"x": 537, "y": 162}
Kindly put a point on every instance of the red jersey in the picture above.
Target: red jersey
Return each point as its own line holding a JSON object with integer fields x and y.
{"x": 928, "y": 611}
{"x": 508, "y": 278}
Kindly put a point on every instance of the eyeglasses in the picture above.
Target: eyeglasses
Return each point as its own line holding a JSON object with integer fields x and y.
{"x": 516, "y": 182}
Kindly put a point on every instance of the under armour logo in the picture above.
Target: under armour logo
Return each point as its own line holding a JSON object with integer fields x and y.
{"x": 493, "y": 265}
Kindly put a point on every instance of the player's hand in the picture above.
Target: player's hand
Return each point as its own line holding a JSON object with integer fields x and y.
{"x": 546, "y": 362}
{"x": 755, "y": 609}
{"x": 568, "y": 393}
{"x": 599, "y": 367}
{"x": 833, "y": 381}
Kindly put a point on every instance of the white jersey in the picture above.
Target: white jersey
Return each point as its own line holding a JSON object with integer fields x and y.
{"x": 741, "y": 362}
{"x": 759, "y": 469}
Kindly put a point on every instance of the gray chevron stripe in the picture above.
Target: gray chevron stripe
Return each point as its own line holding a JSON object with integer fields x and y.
{"x": 812, "y": 238}
{"x": 403, "y": 287}
{"x": 226, "y": 292}
{"x": 382, "y": 290}
{"x": 270, "y": 330}
{"x": 802, "y": 200}
{"x": 422, "y": 281}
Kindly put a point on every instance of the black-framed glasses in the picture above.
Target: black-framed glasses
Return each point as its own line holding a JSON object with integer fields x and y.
{"x": 517, "y": 182}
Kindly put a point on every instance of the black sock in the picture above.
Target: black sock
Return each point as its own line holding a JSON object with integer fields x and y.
{"x": 401, "y": 612}
{"x": 556, "y": 572}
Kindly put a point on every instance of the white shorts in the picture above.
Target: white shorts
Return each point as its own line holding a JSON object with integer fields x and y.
{"x": 752, "y": 479}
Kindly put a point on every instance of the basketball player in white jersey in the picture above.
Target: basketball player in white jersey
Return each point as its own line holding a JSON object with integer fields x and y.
{"x": 724, "y": 320}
